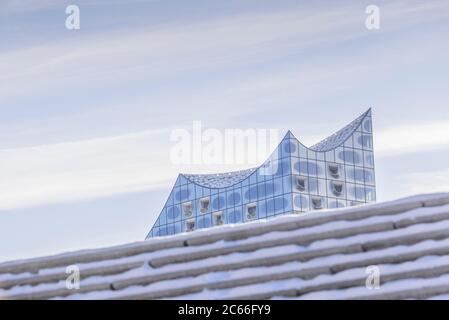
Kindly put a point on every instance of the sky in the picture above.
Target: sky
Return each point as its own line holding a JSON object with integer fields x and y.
{"x": 86, "y": 115}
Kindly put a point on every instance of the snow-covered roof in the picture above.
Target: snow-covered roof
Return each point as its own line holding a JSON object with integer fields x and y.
{"x": 219, "y": 180}
{"x": 339, "y": 137}
{"x": 227, "y": 179}
{"x": 321, "y": 255}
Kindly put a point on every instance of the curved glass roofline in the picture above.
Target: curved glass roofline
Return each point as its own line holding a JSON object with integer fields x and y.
{"x": 330, "y": 143}
{"x": 240, "y": 175}
{"x": 339, "y": 138}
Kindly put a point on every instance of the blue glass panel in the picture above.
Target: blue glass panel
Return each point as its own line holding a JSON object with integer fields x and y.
{"x": 297, "y": 201}
{"x": 289, "y": 147}
{"x": 332, "y": 203}
{"x": 204, "y": 221}
{"x": 313, "y": 168}
{"x": 370, "y": 194}
{"x": 302, "y": 151}
{"x": 171, "y": 229}
{"x": 162, "y": 231}
{"x": 163, "y": 217}
{"x": 349, "y": 173}
{"x": 321, "y": 172}
{"x": 283, "y": 148}
{"x": 294, "y": 147}
{"x": 360, "y": 193}
{"x": 308, "y": 168}
{"x": 369, "y": 159}
{"x": 320, "y": 156}
{"x": 198, "y": 191}
{"x": 261, "y": 174}
{"x": 351, "y": 191}
{"x": 170, "y": 199}
{"x": 261, "y": 190}
{"x": 359, "y": 175}
{"x": 322, "y": 190}
{"x": 366, "y": 141}
{"x": 313, "y": 185}
{"x": 311, "y": 154}
{"x": 181, "y": 194}
{"x": 287, "y": 183}
{"x": 182, "y": 180}
{"x": 367, "y": 125}
{"x": 173, "y": 213}
{"x": 218, "y": 202}
{"x": 278, "y": 186}
{"x": 339, "y": 155}
{"x": 234, "y": 198}
{"x": 191, "y": 191}
{"x": 245, "y": 192}
{"x": 279, "y": 204}
{"x": 266, "y": 171}
{"x": 286, "y": 166}
{"x": 349, "y": 156}
{"x": 348, "y": 142}
{"x": 195, "y": 207}
{"x": 269, "y": 188}
{"x": 176, "y": 227}
{"x": 262, "y": 208}
{"x": 270, "y": 207}
{"x": 276, "y": 166}
{"x": 301, "y": 202}
{"x": 369, "y": 176}
{"x": 253, "y": 178}
{"x": 288, "y": 206}
{"x": 253, "y": 192}
{"x": 235, "y": 216}
{"x": 358, "y": 140}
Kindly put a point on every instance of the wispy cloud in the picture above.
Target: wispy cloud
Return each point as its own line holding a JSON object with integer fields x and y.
{"x": 16, "y": 6}
{"x": 82, "y": 169}
{"x": 90, "y": 168}
{"x": 139, "y": 161}
{"x": 426, "y": 182}
{"x": 167, "y": 50}
{"x": 412, "y": 138}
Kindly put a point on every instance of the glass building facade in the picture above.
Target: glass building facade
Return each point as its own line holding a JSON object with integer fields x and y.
{"x": 336, "y": 172}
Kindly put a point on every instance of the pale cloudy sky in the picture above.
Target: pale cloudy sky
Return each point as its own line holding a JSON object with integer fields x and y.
{"x": 86, "y": 115}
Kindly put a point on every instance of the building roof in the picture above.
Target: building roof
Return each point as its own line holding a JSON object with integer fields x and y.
{"x": 227, "y": 179}
{"x": 299, "y": 256}
{"x": 219, "y": 180}
{"x": 339, "y": 137}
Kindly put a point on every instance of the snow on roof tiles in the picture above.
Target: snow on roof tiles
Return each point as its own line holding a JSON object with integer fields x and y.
{"x": 339, "y": 137}
{"x": 219, "y": 180}
{"x": 227, "y": 179}
{"x": 323, "y": 255}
